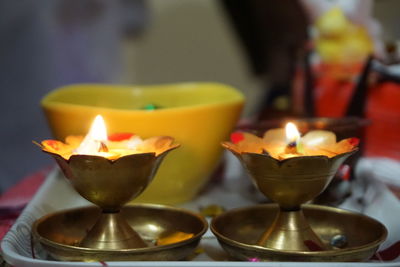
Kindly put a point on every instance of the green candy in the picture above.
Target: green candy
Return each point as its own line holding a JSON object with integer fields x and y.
{"x": 150, "y": 107}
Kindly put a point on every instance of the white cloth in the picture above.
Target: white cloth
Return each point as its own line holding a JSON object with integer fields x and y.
{"x": 371, "y": 196}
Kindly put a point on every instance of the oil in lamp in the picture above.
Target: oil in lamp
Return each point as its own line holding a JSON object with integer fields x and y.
{"x": 109, "y": 171}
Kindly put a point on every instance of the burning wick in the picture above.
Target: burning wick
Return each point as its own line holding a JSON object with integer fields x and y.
{"x": 292, "y": 138}
{"x": 103, "y": 147}
{"x": 95, "y": 140}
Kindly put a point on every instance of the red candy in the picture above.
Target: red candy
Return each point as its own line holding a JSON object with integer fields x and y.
{"x": 354, "y": 141}
{"x": 53, "y": 144}
{"x": 236, "y": 137}
{"x": 120, "y": 136}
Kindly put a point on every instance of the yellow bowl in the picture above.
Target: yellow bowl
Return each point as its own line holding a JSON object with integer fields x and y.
{"x": 198, "y": 115}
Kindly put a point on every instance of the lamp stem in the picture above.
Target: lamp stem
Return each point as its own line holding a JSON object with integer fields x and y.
{"x": 291, "y": 231}
{"x": 112, "y": 231}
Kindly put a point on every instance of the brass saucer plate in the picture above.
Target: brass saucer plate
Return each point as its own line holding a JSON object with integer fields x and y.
{"x": 238, "y": 230}
{"x": 60, "y": 232}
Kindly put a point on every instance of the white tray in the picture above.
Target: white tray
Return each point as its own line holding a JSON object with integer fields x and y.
{"x": 56, "y": 194}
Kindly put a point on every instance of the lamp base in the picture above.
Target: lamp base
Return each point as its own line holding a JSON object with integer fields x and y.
{"x": 111, "y": 231}
{"x": 291, "y": 232}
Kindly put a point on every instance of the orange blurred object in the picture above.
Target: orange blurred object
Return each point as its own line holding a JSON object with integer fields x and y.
{"x": 383, "y": 109}
{"x": 333, "y": 94}
{"x": 334, "y": 86}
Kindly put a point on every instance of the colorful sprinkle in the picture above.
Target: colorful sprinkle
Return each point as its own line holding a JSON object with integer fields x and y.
{"x": 150, "y": 107}
{"x": 56, "y": 145}
{"x": 212, "y": 210}
{"x": 173, "y": 238}
{"x": 354, "y": 141}
{"x": 236, "y": 137}
{"x": 120, "y": 136}
{"x": 312, "y": 246}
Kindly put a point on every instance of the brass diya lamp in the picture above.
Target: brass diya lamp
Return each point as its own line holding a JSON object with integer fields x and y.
{"x": 291, "y": 170}
{"x": 339, "y": 189}
{"x": 109, "y": 171}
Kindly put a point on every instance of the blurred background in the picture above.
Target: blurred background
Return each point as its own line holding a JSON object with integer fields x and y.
{"x": 277, "y": 52}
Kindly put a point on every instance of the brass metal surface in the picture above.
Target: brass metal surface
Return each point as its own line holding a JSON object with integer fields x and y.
{"x": 290, "y": 183}
{"x": 344, "y": 127}
{"x": 290, "y": 231}
{"x": 238, "y": 231}
{"x": 293, "y": 181}
{"x": 60, "y": 233}
{"x": 110, "y": 231}
{"x": 110, "y": 184}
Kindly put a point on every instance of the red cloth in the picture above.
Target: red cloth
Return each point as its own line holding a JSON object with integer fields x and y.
{"x": 333, "y": 89}
{"x": 383, "y": 109}
{"x": 15, "y": 199}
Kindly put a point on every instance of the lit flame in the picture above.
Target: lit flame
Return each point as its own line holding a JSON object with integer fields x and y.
{"x": 292, "y": 134}
{"x": 95, "y": 141}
